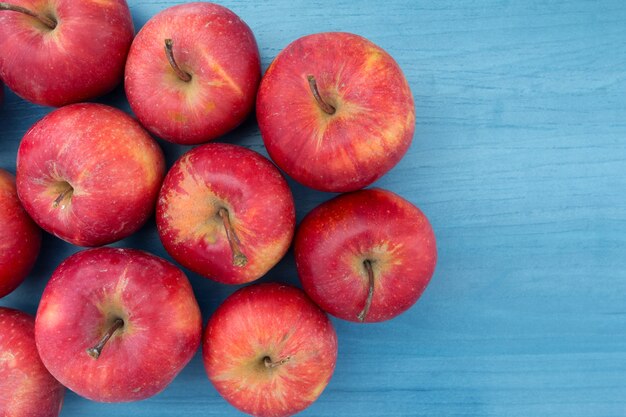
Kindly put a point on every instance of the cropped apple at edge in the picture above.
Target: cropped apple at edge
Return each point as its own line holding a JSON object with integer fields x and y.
{"x": 20, "y": 237}
{"x": 85, "y": 43}
{"x": 26, "y": 387}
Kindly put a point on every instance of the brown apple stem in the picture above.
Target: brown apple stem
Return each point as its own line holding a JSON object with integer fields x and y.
{"x": 42, "y": 18}
{"x": 370, "y": 293}
{"x": 61, "y": 196}
{"x": 239, "y": 259}
{"x": 185, "y": 76}
{"x": 95, "y": 351}
{"x": 323, "y": 105}
{"x": 267, "y": 361}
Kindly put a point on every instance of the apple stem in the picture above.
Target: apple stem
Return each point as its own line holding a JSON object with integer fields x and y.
{"x": 41, "y": 17}
{"x": 323, "y": 105}
{"x": 271, "y": 364}
{"x": 239, "y": 259}
{"x": 61, "y": 196}
{"x": 95, "y": 351}
{"x": 185, "y": 76}
{"x": 370, "y": 293}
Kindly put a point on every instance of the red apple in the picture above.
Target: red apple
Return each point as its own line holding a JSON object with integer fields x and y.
{"x": 117, "y": 324}
{"x": 365, "y": 256}
{"x": 269, "y": 350}
{"x": 21, "y": 238}
{"x": 226, "y": 213}
{"x": 56, "y": 52}
{"x": 204, "y": 63}
{"x": 1, "y": 92}
{"x": 335, "y": 111}
{"x": 89, "y": 174}
{"x": 26, "y": 387}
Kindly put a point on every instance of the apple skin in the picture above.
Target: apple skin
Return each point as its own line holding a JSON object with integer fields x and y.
{"x": 81, "y": 58}
{"x": 258, "y": 200}
{"x": 21, "y": 238}
{"x": 368, "y": 134}
{"x": 275, "y": 321}
{"x": 218, "y": 50}
{"x": 87, "y": 292}
{"x": 337, "y": 237}
{"x": 114, "y": 167}
{"x": 26, "y": 387}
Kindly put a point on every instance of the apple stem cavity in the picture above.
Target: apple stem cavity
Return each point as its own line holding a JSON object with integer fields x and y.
{"x": 239, "y": 259}
{"x": 185, "y": 76}
{"x": 370, "y": 293}
{"x": 95, "y": 351}
{"x": 49, "y": 22}
{"x": 327, "y": 108}
{"x": 69, "y": 190}
{"x": 269, "y": 364}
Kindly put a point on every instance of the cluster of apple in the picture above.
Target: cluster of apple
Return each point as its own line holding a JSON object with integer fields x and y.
{"x": 335, "y": 113}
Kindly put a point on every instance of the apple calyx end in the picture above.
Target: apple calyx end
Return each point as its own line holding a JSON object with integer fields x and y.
{"x": 169, "y": 53}
{"x": 367, "y": 264}
{"x": 269, "y": 364}
{"x": 239, "y": 258}
{"x": 46, "y": 20}
{"x": 327, "y": 108}
{"x": 96, "y": 351}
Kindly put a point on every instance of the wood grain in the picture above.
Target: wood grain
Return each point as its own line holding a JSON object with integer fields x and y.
{"x": 519, "y": 161}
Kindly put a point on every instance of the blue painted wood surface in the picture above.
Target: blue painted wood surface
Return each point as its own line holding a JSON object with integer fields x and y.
{"x": 519, "y": 161}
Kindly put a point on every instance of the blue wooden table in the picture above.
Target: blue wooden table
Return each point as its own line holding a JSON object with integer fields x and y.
{"x": 519, "y": 161}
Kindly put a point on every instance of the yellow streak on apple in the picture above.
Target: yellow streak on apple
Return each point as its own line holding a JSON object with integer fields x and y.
{"x": 146, "y": 160}
{"x": 192, "y": 214}
{"x": 315, "y": 393}
{"x": 221, "y": 73}
{"x": 374, "y": 59}
{"x": 52, "y": 315}
{"x": 106, "y": 3}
